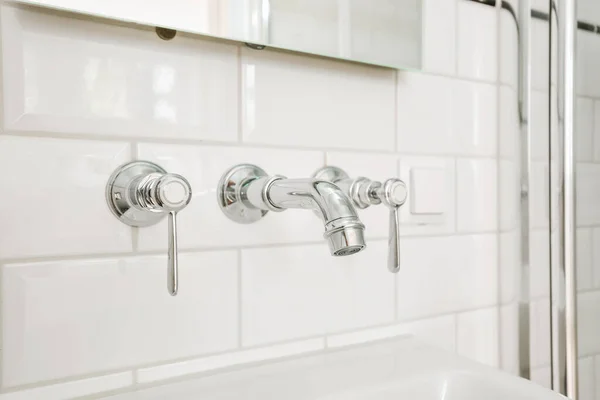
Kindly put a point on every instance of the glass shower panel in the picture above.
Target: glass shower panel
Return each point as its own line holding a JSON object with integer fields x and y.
{"x": 540, "y": 166}
{"x": 587, "y": 157}
{"x": 509, "y": 176}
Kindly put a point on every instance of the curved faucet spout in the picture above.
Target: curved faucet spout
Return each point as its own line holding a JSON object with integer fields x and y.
{"x": 343, "y": 230}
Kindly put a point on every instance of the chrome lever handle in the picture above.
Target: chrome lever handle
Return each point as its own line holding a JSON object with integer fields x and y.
{"x": 172, "y": 269}
{"x": 141, "y": 194}
{"x": 394, "y": 241}
{"x": 393, "y": 194}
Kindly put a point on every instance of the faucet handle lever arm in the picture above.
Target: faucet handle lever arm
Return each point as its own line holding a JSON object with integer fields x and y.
{"x": 393, "y": 194}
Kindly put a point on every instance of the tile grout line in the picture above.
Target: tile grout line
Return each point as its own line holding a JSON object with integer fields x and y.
{"x": 232, "y": 144}
{"x": 161, "y": 253}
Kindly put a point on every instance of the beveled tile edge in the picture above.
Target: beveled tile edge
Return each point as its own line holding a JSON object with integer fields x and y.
{"x": 217, "y": 362}
{"x": 73, "y": 389}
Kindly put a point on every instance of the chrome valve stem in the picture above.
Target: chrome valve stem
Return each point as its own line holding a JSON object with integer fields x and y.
{"x": 364, "y": 192}
{"x": 141, "y": 194}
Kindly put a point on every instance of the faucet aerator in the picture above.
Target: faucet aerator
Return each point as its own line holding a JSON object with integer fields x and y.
{"x": 346, "y": 241}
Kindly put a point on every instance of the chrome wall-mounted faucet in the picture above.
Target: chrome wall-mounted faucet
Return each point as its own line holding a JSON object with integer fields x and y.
{"x": 246, "y": 193}
{"x": 364, "y": 192}
{"x": 141, "y": 194}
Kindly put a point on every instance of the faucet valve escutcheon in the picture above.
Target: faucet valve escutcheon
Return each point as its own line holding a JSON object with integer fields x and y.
{"x": 141, "y": 194}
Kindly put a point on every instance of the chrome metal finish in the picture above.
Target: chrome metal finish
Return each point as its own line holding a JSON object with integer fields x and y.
{"x": 364, "y": 192}
{"x": 245, "y": 194}
{"x": 229, "y": 193}
{"x": 564, "y": 289}
{"x": 524, "y": 108}
{"x": 141, "y": 194}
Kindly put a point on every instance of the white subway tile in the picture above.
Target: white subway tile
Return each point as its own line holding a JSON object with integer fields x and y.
{"x": 300, "y": 101}
{"x": 584, "y": 257}
{"x": 595, "y": 245}
{"x": 584, "y": 129}
{"x": 596, "y": 133}
{"x": 588, "y": 322}
{"x": 588, "y": 193}
{"x": 53, "y": 197}
{"x": 542, "y": 376}
{"x": 554, "y": 128}
{"x": 597, "y": 375}
{"x": 588, "y": 11}
{"x": 540, "y": 128}
{"x": 439, "y": 332}
{"x": 539, "y": 334}
{"x": 509, "y": 50}
{"x": 74, "y": 389}
{"x": 439, "y": 36}
{"x": 438, "y": 115}
{"x": 205, "y": 364}
{"x": 477, "y": 39}
{"x": 510, "y": 195}
{"x": 477, "y": 195}
{"x": 539, "y": 263}
{"x": 477, "y": 336}
{"x": 112, "y": 80}
{"x": 375, "y": 167}
{"x": 476, "y": 124}
{"x": 539, "y": 193}
{"x": 540, "y": 55}
{"x": 70, "y": 318}
{"x": 203, "y": 224}
{"x": 509, "y": 130}
{"x": 586, "y": 375}
{"x": 419, "y": 224}
{"x": 446, "y": 274}
{"x": 509, "y": 338}
{"x": 587, "y": 64}
{"x": 294, "y": 292}
{"x": 510, "y": 262}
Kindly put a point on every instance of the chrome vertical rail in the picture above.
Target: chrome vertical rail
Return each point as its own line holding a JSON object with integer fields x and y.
{"x": 564, "y": 286}
{"x": 524, "y": 321}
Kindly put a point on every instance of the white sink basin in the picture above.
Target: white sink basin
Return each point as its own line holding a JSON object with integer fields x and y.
{"x": 395, "y": 369}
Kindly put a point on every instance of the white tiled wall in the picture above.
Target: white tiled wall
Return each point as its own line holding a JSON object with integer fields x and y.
{"x": 84, "y": 303}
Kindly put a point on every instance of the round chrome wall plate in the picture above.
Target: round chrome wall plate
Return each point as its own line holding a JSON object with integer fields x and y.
{"x": 330, "y": 174}
{"x": 228, "y": 193}
{"x": 118, "y": 198}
